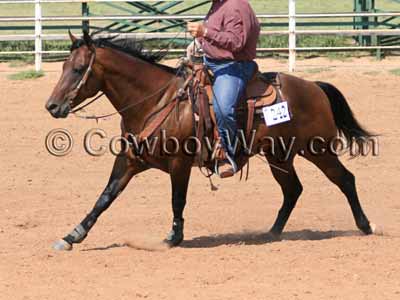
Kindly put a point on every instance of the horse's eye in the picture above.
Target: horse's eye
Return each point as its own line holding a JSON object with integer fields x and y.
{"x": 78, "y": 70}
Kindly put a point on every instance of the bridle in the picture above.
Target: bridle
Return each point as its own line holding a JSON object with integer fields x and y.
{"x": 74, "y": 93}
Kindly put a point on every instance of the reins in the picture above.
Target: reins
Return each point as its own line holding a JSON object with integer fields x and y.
{"x": 87, "y": 104}
{"x": 126, "y": 107}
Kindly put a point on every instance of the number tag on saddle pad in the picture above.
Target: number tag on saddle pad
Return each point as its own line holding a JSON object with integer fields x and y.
{"x": 276, "y": 114}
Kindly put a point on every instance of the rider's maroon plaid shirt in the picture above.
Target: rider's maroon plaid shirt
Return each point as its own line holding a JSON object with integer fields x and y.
{"x": 232, "y": 31}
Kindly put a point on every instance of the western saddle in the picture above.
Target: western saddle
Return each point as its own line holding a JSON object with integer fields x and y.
{"x": 262, "y": 90}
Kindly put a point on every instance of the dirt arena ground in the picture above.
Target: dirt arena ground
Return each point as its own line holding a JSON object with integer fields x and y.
{"x": 321, "y": 256}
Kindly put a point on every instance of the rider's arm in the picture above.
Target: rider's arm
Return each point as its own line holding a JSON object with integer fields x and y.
{"x": 232, "y": 36}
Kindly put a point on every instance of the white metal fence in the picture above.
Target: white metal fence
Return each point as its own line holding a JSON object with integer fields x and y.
{"x": 292, "y": 32}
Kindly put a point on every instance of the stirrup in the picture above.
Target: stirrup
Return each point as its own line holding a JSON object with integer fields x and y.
{"x": 229, "y": 172}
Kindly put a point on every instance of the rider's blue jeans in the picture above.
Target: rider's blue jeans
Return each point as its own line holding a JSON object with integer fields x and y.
{"x": 231, "y": 78}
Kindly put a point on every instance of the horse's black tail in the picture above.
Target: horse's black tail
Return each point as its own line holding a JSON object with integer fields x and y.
{"x": 342, "y": 113}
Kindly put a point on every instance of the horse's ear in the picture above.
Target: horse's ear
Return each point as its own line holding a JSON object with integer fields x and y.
{"x": 87, "y": 38}
{"x": 88, "y": 41}
{"x": 72, "y": 37}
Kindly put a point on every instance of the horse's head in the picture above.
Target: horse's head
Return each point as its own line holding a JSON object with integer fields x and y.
{"x": 79, "y": 80}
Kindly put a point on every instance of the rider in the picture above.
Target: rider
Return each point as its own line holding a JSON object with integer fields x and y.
{"x": 228, "y": 38}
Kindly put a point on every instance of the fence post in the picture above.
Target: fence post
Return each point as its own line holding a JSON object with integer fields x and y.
{"x": 38, "y": 35}
{"x": 292, "y": 35}
{"x": 85, "y": 13}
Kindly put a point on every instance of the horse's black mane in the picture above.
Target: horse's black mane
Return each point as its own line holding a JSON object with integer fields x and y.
{"x": 131, "y": 47}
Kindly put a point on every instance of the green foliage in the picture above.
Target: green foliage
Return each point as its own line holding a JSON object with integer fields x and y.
{"x": 24, "y": 75}
{"x": 273, "y": 41}
{"x": 342, "y": 55}
{"x": 30, "y": 46}
{"x": 17, "y": 46}
{"x": 323, "y": 41}
{"x": 317, "y": 70}
{"x": 304, "y": 41}
{"x": 19, "y": 63}
{"x": 372, "y": 73}
{"x": 395, "y": 72}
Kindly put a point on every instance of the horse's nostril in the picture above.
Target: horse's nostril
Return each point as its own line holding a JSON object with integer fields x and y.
{"x": 52, "y": 106}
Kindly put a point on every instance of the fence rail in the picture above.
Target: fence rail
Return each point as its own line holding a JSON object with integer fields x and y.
{"x": 292, "y": 32}
{"x": 189, "y": 17}
{"x": 182, "y": 35}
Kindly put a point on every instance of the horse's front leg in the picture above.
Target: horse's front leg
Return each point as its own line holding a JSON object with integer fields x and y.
{"x": 124, "y": 169}
{"x": 180, "y": 173}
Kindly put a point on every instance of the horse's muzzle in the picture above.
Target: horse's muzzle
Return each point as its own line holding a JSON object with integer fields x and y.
{"x": 58, "y": 110}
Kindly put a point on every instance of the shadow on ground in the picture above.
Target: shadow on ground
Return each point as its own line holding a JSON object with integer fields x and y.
{"x": 242, "y": 238}
{"x": 257, "y": 238}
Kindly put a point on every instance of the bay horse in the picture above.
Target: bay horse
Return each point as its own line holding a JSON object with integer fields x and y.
{"x": 126, "y": 74}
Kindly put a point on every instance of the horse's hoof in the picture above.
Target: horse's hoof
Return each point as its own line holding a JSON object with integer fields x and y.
{"x": 273, "y": 236}
{"x": 175, "y": 236}
{"x": 173, "y": 239}
{"x": 373, "y": 228}
{"x": 173, "y": 243}
{"x": 62, "y": 245}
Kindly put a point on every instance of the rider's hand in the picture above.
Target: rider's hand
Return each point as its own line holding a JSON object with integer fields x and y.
{"x": 196, "y": 29}
{"x": 194, "y": 49}
{"x": 190, "y": 50}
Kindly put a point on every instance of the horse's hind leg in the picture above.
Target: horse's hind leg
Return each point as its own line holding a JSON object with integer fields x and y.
{"x": 291, "y": 187}
{"x": 123, "y": 170}
{"x": 345, "y": 180}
